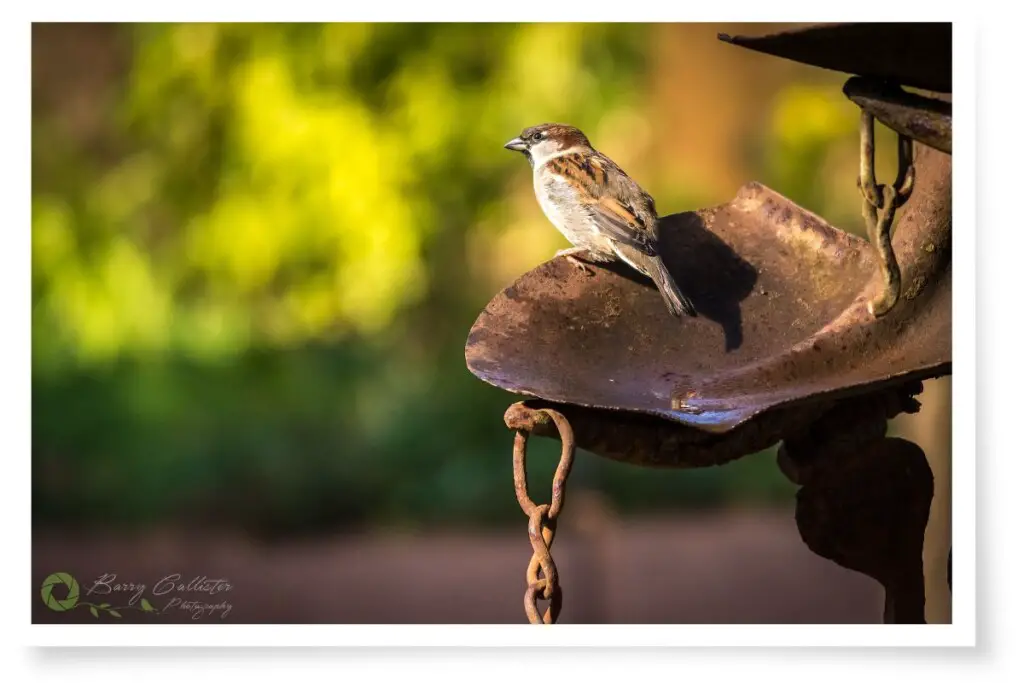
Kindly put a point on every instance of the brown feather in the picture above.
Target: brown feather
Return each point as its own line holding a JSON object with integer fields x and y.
{"x": 620, "y": 208}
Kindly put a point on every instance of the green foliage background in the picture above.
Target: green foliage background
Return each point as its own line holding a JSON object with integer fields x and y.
{"x": 252, "y": 286}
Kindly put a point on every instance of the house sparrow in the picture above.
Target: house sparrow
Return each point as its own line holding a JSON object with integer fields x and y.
{"x": 596, "y": 206}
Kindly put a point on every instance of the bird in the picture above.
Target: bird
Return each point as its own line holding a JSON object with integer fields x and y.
{"x": 603, "y": 212}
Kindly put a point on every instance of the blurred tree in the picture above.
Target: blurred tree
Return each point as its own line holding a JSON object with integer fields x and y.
{"x": 282, "y": 183}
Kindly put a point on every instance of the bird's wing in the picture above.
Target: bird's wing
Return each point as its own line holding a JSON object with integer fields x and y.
{"x": 617, "y": 221}
{"x": 619, "y": 207}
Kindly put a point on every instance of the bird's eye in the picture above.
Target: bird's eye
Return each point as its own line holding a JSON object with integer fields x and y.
{"x": 537, "y": 137}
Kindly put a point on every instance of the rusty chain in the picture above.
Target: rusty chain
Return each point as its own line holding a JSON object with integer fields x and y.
{"x": 879, "y": 209}
{"x": 541, "y": 573}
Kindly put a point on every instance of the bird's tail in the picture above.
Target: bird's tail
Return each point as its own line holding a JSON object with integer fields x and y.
{"x": 677, "y": 302}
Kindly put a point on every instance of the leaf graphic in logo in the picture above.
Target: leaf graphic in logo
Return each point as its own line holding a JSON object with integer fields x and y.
{"x": 105, "y": 605}
{"x": 94, "y": 612}
{"x": 146, "y": 607}
{"x": 115, "y": 613}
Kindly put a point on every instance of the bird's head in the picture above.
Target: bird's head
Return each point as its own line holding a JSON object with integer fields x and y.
{"x": 540, "y": 143}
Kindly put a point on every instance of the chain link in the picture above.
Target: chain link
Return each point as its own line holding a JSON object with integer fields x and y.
{"x": 879, "y": 209}
{"x": 541, "y": 573}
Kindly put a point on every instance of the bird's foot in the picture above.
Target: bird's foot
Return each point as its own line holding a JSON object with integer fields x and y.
{"x": 570, "y": 256}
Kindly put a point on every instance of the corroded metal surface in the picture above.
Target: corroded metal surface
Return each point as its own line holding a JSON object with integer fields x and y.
{"x": 879, "y": 209}
{"x": 924, "y": 119}
{"x": 641, "y": 439}
{"x": 916, "y": 54}
{"x": 783, "y": 321}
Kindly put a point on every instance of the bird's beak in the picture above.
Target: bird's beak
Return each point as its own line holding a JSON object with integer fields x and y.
{"x": 516, "y": 145}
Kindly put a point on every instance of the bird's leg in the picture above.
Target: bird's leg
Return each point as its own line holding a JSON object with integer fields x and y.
{"x": 571, "y": 254}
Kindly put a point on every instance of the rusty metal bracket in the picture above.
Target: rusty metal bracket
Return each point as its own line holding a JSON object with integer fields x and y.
{"x": 880, "y": 204}
{"x": 541, "y": 573}
{"x": 928, "y": 120}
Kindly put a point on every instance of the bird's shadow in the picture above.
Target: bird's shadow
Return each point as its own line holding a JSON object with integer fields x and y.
{"x": 706, "y": 269}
